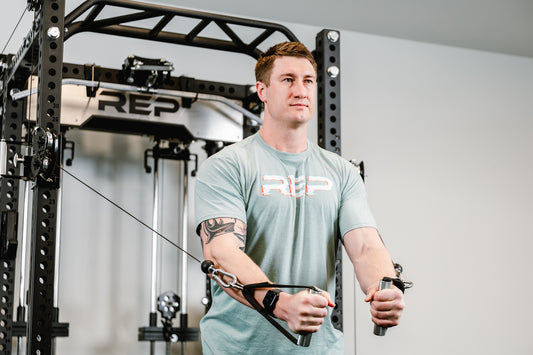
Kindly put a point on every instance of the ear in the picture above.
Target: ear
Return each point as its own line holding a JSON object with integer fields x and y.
{"x": 261, "y": 88}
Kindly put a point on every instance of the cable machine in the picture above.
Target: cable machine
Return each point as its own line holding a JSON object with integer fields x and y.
{"x": 141, "y": 98}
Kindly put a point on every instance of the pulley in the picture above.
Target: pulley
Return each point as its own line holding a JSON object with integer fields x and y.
{"x": 42, "y": 157}
{"x": 168, "y": 304}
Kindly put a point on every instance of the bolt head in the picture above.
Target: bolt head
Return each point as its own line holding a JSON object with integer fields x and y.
{"x": 333, "y": 71}
{"x": 333, "y": 36}
{"x": 53, "y": 32}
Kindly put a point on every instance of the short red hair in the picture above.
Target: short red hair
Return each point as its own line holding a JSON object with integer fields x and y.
{"x": 265, "y": 63}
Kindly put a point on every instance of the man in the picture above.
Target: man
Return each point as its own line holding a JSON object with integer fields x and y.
{"x": 270, "y": 208}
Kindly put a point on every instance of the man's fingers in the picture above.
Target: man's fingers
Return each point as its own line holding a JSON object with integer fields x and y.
{"x": 311, "y": 324}
{"x": 387, "y": 307}
{"x": 328, "y": 297}
{"x": 385, "y": 319}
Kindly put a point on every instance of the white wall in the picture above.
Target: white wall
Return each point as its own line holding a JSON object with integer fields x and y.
{"x": 444, "y": 134}
{"x": 446, "y": 137}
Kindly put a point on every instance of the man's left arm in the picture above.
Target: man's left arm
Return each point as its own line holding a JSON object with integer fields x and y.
{"x": 372, "y": 262}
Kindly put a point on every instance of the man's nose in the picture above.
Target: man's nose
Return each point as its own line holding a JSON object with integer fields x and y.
{"x": 300, "y": 89}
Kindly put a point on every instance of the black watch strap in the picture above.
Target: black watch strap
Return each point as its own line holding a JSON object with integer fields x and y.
{"x": 270, "y": 300}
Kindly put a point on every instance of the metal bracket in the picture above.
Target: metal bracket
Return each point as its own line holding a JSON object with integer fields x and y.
{"x": 91, "y": 73}
{"x": 174, "y": 151}
{"x": 8, "y": 235}
{"x": 168, "y": 304}
{"x": 146, "y": 72}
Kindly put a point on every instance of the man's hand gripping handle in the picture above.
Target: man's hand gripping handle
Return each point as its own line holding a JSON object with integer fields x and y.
{"x": 385, "y": 283}
{"x": 304, "y": 338}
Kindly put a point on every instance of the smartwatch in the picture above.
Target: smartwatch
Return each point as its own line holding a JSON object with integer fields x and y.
{"x": 270, "y": 300}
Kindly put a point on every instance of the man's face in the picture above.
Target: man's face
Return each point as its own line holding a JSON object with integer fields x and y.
{"x": 290, "y": 98}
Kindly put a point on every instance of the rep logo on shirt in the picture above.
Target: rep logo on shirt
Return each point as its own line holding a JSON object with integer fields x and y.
{"x": 294, "y": 186}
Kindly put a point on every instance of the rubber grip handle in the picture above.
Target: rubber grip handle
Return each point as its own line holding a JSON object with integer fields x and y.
{"x": 304, "y": 338}
{"x": 384, "y": 283}
{"x": 206, "y": 266}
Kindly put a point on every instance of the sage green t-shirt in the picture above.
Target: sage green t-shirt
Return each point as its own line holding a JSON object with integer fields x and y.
{"x": 294, "y": 206}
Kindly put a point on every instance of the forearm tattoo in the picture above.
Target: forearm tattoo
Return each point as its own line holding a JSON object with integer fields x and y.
{"x": 215, "y": 227}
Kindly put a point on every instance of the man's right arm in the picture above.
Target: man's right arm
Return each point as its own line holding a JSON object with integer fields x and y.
{"x": 223, "y": 241}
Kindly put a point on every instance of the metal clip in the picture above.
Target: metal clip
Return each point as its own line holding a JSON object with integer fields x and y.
{"x": 209, "y": 268}
{"x": 399, "y": 274}
{"x": 233, "y": 283}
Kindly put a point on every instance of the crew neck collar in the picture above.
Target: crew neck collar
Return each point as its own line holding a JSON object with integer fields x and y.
{"x": 283, "y": 155}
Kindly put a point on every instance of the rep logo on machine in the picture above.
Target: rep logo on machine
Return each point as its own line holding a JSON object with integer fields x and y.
{"x": 136, "y": 104}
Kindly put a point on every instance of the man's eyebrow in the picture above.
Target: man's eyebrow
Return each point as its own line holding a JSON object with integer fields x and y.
{"x": 292, "y": 75}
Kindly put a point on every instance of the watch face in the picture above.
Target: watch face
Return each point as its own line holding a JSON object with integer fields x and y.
{"x": 270, "y": 300}
{"x": 270, "y": 296}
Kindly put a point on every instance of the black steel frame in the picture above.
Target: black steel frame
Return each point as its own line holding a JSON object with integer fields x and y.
{"x": 329, "y": 126}
{"x": 11, "y": 132}
{"x": 115, "y": 26}
{"x": 45, "y": 42}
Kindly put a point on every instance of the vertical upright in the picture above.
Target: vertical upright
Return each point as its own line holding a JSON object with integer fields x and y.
{"x": 329, "y": 126}
{"x": 45, "y": 165}
{"x": 11, "y": 134}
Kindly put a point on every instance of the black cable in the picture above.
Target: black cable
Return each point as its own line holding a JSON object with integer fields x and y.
{"x": 13, "y": 32}
{"x": 129, "y": 214}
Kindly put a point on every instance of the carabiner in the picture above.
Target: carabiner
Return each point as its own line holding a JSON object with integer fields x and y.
{"x": 209, "y": 268}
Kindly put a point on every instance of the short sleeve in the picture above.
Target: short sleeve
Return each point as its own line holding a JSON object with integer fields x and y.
{"x": 354, "y": 209}
{"x": 218, "y": 191}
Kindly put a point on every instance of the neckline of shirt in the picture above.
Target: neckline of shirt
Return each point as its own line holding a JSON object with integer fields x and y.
{"x": 293, "y": 157}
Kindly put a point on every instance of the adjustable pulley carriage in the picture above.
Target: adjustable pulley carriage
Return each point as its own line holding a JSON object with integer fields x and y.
{"x": 143, "y": 98}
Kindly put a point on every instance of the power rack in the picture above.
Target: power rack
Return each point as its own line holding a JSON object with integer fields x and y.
{"x": 33, "y": 151}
